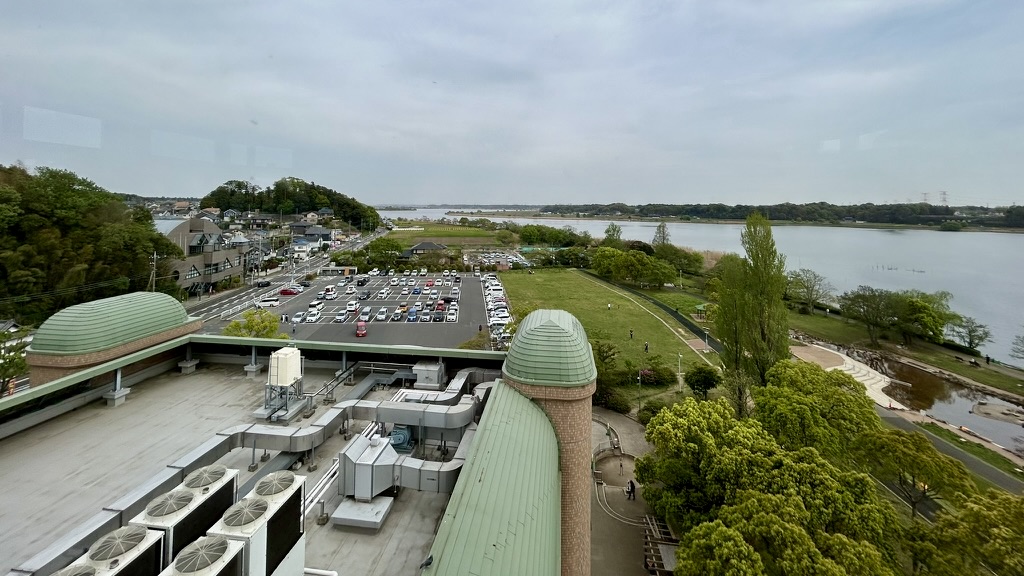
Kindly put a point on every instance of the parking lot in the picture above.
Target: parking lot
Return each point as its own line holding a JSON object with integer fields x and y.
{"x": 336, "y": 323}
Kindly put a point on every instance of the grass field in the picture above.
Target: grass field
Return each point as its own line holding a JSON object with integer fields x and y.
{"x": 588, "y": 300}
{"x": 679, "y": 300}
{"x": 983, "y": 453}
{"x": 830, "y": 328}
{"x": 444, "y": 234}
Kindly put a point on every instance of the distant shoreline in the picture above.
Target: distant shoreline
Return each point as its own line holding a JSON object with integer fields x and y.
{"x": 867, "y": 225}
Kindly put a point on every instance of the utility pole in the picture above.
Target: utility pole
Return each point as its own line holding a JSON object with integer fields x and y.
{"x": 944, "y": 198}
{"x": 152, "y": 275}
{"x": 924, "y": 197}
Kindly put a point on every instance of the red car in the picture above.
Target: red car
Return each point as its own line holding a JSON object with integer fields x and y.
{"x": 440, "y": 307}
{"x": 289, "y": 292}
{"x": 361, "y": 329}
{"x": 430, "y": 283}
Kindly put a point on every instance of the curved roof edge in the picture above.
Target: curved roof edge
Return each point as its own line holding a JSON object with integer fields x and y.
{"x": 504, "y": 516}
{"x": 107, "y": 323}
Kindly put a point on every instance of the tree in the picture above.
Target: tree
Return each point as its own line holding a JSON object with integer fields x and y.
{"x": 702, "y": 379}
{"x": 612, "y": 236}
{"x": 710, "y": 473}
{"x": 714, "y": 549}
{"x": 984, "y": 536}
{"x": 766, "y": 323}
{"x": 870, "y": 306}
{"x": 970, "y": 332}
{"x": 604, "y": 261}
{"x": 255, "y": 323}
{"x": 911, "y": 464}
{"x": 809, "y": 287}
{"x": 384, "y": 251}
{"x": 920, "y": 314}
{"x": 806, "y": 406}
{"x": 1017, "y": 348}
{"x": 12, "y": 358}
{"x": 661, "y": 237}
{"x": 726, "y": 290}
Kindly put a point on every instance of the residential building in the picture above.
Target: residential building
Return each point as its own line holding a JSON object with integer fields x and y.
{"x": 210, "y": 254}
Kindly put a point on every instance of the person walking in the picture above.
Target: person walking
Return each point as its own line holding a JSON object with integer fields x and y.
{"x": 630, "y": 490}
{"x": 609, "y": 306}
{"x": 620, "y": 466}
{"x": 647, "y": 347}
{"x": 630, "y": 333}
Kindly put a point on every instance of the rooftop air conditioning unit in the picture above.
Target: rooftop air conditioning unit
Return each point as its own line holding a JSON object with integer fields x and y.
{"x": 187, "y": 512}
{"x": 208, "y": 556}
{"x": 129, "y": 550}
{"x": 269, "y": 520}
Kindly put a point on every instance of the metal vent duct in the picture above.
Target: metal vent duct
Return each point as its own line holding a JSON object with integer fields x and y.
{"x": 116, "y": 543}
{"x": 76, "y": 570}
{"x": 205, "y": 476}
{"x": 201, "y": 554}
{"x": 169, "y": 503}
{"x": 246, "y": 511}
{"x": 275, "y": 483}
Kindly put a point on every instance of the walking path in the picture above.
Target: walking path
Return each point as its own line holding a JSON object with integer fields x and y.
{"x": 874, "y": 382}
{"x": 685, "y": 337}
{"x": 617, "y": 544}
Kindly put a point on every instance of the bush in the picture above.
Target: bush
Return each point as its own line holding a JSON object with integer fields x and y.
{"x": 649, "y": 409}
{"x": 618, "y": 402}
{"x": 956, "y": 346}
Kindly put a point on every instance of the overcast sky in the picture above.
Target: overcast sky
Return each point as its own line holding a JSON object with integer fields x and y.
{"x": 676, "y": 101}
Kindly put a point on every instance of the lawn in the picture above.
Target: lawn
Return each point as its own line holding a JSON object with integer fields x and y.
{"x": 679, "y": 300}
{"x": 829, "y": 328}
{"x": 444, "y": 234}
{"x": 588, "y": 300}
{"x": 983, "y": 453}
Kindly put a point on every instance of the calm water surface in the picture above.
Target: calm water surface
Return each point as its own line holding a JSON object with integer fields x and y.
{"x": 983, "y": 270}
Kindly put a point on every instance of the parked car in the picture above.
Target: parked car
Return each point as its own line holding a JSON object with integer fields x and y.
{"x": 382, "y": 314}
{"x": 298, "y": 317}
{"x": 350, "y": 290}
{"x": 352, "y": 306}
{"x": 263, "y": 283}
{"x": 341, "y": 317}
{"x": 312, "y": 317}
{"x": 416, "y": 290}
{"x": 430, "y": 283}
{"x": 438, "y": 317}
{"x": 332, "y": 295}
{"x": 364, "y": 295}
{"x": 452, "y": 316}
{"x": 321, "y": 294}
{"x": 269, "y": 302}
{"x": 412, "y": 316}
{"x": 425, "y": 317}
{"x": 289, "y": 291}
{"x": 396, "y": 316}
{"x": 305, "y": 283}
{"x": 361, "y": 329}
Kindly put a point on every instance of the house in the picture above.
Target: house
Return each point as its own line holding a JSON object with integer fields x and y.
{"x": 427, "y": 247}
{"x": 325, "y": 213}
{"x": 318, "y": 234}
{"x": 230, "y": 214}
{"x": 312, "y": 217}
{"x": 12, "y": 327}
{"x": 181, "y": 207}
{"x": 210, "y": 255}
{"x": 300, "y": 249}
{"x": 255, "y": 220}
{"x": 211, "y": 214}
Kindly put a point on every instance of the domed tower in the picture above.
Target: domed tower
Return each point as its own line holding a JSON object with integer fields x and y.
{"x": 550, "y": 362}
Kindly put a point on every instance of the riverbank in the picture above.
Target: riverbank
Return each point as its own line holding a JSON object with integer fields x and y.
{"x": 507, "y": 215}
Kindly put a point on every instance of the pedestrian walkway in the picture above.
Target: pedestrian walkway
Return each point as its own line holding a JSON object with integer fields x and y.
{"x": 873, "y": 381}
{"x": 617, "y": 544}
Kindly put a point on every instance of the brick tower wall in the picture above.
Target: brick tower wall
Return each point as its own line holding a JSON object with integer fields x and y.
{"x": 570, "y": 413}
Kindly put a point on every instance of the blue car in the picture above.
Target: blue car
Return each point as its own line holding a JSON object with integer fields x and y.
{"x": 416, "y": 290}
{"x": 412, "y": 316}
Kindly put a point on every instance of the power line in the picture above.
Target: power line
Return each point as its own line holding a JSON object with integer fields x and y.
{"x": 72, "y": 290}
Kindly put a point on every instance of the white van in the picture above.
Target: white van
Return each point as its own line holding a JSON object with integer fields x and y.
{"x": 269, "y": 302}
{"x": 352, "y": 306}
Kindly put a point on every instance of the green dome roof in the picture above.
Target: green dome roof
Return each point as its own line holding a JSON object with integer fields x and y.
{"x": 103, "y": 324}
{"x": 550, "y": 348}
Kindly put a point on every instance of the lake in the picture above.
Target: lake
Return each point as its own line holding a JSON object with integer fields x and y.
{"x": 983, "y": 270}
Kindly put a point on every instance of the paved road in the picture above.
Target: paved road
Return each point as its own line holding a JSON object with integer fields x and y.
{"x": 973, "y": 463}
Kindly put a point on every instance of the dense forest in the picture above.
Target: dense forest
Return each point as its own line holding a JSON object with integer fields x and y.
{"x": 916, "y": 213}
{"x": 65, "y": 240}
{"x": 291, "y": 196}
